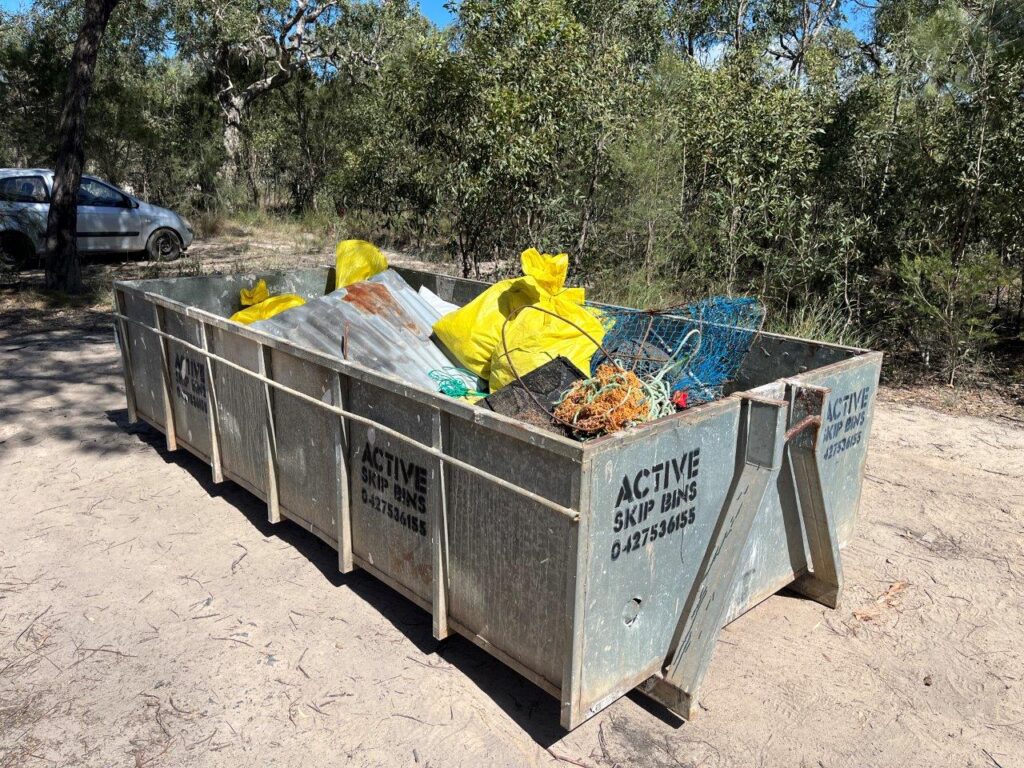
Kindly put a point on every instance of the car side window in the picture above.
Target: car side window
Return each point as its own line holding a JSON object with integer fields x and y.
{"x": 92, "y": 192}
{"x": 23, "y": 189}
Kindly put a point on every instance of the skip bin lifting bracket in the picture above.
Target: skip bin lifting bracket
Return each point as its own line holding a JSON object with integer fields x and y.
{"x": 824, "y": 583}
{"x": 775, "y": 436}
{"x": 759, "y": 457}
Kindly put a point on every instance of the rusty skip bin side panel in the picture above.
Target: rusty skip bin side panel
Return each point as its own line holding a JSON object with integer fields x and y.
{"x": 590, "y": 568}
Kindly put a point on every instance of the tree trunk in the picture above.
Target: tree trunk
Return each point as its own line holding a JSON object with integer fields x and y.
{"x": 1020, "y": 300}
{"x": 63, "y": 270}
{"x": 232, "y": 106}
{"x": 587, "y": 210}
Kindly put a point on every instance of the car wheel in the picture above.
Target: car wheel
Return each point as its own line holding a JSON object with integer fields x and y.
{"x": 16, "y": 252}
{"x": 163, "y": 245}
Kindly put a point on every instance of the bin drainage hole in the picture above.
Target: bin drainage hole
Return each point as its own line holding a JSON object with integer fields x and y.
{"x": 631, "y": 611}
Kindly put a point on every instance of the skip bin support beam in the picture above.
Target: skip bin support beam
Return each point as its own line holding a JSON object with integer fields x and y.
{"x": 126, "y": 355}
{"x": 165, "y": 378}
{"x": 759, "y": 451}
{"x": 263, "y": 367}
{"x": 440, "y": 438}
{"x": 824, "y": 582}
{"x": 212, "y": 413}
{"x": 575, "y": 606}
{"x": 340, "y": 395}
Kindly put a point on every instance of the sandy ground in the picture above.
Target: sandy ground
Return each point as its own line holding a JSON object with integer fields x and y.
{"x": 150, "y": 618}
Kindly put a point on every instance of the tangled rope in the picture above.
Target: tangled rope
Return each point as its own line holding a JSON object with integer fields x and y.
{"x": 613, "y": 398}
{"x": 606, "y": 402}
{"x": 455, "y": 382}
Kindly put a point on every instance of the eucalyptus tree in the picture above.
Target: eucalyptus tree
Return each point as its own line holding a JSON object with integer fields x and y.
{"x": 254, "y": 47}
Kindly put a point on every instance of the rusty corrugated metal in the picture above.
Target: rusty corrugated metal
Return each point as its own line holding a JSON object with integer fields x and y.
{"x": 381, "y": 323}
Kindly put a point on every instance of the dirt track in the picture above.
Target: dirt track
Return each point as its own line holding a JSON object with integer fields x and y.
{"x": 150, "y": 618}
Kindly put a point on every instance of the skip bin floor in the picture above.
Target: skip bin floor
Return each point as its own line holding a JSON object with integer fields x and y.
{"x": 149, "y": 618}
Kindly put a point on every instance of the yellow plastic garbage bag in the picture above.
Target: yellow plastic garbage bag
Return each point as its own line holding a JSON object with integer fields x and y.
{"x": 355, "y": 261}
{"x": 254, "y": 295}
{"x": 473, "y": 333}
{"x": 559, "y": 325}
{"x": 267, "y": 308}
{"x": 549, "y": 271}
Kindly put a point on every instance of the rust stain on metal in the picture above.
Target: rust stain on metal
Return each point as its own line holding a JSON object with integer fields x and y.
{"x": 808, "y": 421}
{"x": 376, "y": 299}
{"x": 810, "y": 401}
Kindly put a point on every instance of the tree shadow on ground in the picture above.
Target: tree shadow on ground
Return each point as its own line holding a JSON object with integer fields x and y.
{"x": 534, "y": 710}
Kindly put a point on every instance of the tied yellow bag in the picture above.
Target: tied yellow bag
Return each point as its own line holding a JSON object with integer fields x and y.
{"x": 254, "y": 295}
{"x": 559, "y": 326}
{"x": 267, "y": 308}
{"x": 355, "y": 261}
{"x": 473, "y": 333}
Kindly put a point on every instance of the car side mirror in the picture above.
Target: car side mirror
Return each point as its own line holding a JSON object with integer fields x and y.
{"x": 135, "y": 203}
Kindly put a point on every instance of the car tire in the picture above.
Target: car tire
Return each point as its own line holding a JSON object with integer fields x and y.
{"x": 16, "y": 252}
{"x": 163, "y": 245}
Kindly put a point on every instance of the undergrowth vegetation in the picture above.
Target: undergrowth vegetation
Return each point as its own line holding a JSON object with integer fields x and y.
{"x": 860, "y": 171}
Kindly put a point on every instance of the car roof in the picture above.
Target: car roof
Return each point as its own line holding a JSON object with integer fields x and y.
{"x": 47, "y": 173}
{"x": 4, "y": 172}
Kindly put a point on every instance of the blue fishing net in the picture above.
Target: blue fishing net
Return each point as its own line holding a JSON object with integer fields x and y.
{"x": 696, "y": 348}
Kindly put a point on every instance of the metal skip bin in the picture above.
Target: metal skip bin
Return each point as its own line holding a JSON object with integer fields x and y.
{"x": 591, "y": 568}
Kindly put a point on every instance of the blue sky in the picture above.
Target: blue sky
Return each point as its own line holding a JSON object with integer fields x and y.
{"x": 858, "y": 17}
{"x": 432, "y": 9}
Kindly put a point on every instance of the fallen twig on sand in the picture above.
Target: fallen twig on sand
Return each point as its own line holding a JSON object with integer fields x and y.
{"x": 30, "y": 625}
{"x": 564, "y": 759}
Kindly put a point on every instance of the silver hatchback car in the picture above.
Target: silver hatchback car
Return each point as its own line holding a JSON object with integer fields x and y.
{"x": 109, "y": 220}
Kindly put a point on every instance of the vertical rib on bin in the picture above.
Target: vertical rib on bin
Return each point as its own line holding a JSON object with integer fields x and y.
{"x": 242, "y": 410}
{"x": 305, "y": 444}
{"x": 343, "y": 447}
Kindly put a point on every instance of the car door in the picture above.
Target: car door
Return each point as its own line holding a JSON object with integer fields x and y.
{"x": 107, "y": 218}
{"x": 24, "y": 205}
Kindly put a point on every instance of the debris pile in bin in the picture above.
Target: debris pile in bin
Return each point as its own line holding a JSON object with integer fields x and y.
{"x": 527, "y": 347}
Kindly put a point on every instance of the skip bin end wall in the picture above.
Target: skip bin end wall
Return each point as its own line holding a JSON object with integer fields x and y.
{"x": 667, "y": 510}
{"x": 584, "y": 566}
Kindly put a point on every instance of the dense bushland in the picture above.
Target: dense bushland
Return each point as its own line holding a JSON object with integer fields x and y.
{"x": 864, "y": 175}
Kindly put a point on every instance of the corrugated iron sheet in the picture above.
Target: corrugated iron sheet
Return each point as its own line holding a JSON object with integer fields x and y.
{"x": 381, "y": 323}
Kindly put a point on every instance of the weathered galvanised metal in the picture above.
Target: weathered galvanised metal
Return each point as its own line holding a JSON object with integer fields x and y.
{"x": 591, "y": 568}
